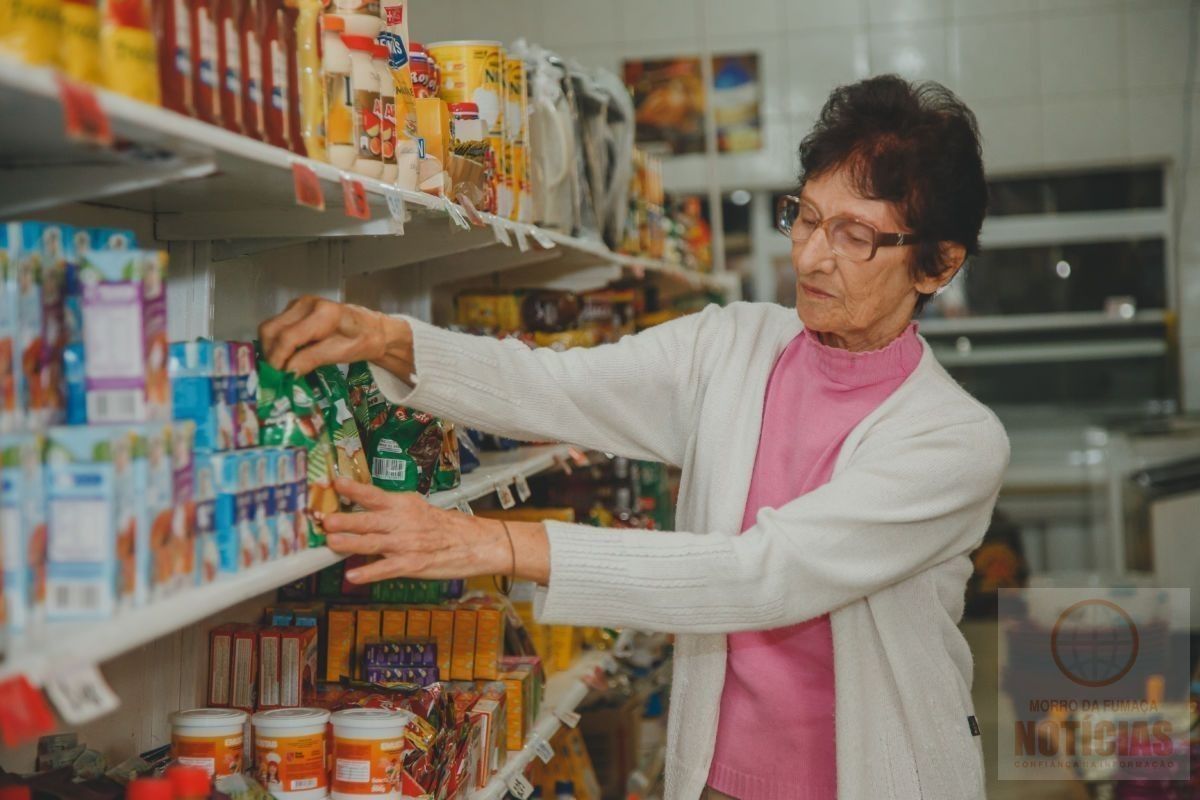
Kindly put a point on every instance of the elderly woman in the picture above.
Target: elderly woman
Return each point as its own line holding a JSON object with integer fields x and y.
{"x": 835, "y": 478}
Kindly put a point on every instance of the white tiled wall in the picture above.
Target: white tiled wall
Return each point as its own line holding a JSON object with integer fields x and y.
{"x": 1055, "y": 83}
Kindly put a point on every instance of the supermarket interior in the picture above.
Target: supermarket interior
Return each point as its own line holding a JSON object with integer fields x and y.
{"x": 586, "y": 330}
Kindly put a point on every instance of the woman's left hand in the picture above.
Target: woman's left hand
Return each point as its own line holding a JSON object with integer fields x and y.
{"x": 412, "y": 538}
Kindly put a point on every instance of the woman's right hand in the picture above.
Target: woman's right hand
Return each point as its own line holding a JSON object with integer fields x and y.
{"x": 313, "y": 331}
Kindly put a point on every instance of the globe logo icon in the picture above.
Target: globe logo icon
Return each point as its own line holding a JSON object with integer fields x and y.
{"x": 1094, "y": 643}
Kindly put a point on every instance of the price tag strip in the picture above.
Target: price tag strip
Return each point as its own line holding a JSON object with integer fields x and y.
{"x": 83, "y": 118}
{"x": 541, "y": 238}
{"x": 544, "y": 750}
{"x": 307, "y": 186}
{"x": 471, "y": 211}
{"x": 564, "y": 465}
{"x": 505, "y": 496}
{"x": 523, "y": 490}
{"x": 398, "y": 212}
{"x": 500, "y": 231}
{"x": 569, "y": 718}
{"x": 520, "y": 786}
{"x": 455, "y": 214}
{"x": 522, "y": 241}
{"x": 464, "y": 507}
{"x": 81, "y": 694}
{"x": 354, "y": 197}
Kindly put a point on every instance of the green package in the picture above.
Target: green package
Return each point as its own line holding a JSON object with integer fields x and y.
{"x": 404, "y": 447}
{"x": 332, "y": 392}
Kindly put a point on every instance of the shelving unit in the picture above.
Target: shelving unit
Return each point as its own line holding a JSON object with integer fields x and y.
{"x": 564, "y": 692}
{"x": 55, "y": 645}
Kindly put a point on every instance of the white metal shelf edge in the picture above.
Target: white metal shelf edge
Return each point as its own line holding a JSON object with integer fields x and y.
{"x": 59, "y": 646}
{"x": 564, "y": 692}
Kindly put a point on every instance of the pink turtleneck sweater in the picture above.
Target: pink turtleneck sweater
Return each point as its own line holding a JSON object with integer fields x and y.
{"x": 775, "y": 735}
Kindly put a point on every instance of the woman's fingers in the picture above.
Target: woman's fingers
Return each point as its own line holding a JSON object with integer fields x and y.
{"x": 369, "y": 497}
{"x": 296, "y": 310}
{"x": 320, "y": 321}
{"x": 370, "y": 544}
{"x": 356, "y": 522}
{"x": 379, "y": 570}
{"x": 326, "y": 351}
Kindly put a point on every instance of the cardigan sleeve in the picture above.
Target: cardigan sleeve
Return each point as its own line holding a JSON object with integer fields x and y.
{"x": 636, "y": 398}
{"x": 902, "y": 505}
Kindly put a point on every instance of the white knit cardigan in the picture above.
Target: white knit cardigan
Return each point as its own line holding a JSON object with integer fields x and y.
{"x": 883, "y": 547}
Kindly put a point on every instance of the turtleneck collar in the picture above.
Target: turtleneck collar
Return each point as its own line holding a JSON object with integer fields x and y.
{"x": 896, "y": 360}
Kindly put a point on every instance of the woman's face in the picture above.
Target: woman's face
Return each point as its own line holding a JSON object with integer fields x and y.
{"x": 856, "y": 305}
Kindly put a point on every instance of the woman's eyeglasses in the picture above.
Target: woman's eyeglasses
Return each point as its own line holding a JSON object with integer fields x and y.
{"x": 848, "y": 237}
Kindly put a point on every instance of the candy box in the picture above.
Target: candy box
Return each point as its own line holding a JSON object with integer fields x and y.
{"x": 153, "y": 495}
{"x": 237, "y": 544}
{"x": 297, "y": 665}
{"x": 462, "y": 656}
{"x": 244, "y": 365}
{"x": 192, "y": 396}
{"x": 243, "y": 673}
{"x": 283, "y": 501}
{"x": 35, "y": 286}
{"x": 9, "y": 418}
{"x": 401, "y": 653}
{"x": 207, "y": 540}
{"x": 225, "y": 394}
{"x": 518, "y": 685}
{"x": 339, "y": 644}
{"x": 266, "y": 465}
{"x": 421, "y": 676}
{"x": 182, "y": 545}
{"x": 367, "y": 624}
{"x": 92, "y": 554}
{"x": 125, "y": 335}
{"x": 22, "y": 529}
{"x": 489, "y": 713}
{"x": 304, "y": 530}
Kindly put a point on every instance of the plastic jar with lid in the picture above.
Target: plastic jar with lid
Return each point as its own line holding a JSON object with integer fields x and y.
{"x": 289, "y": 752}
{"x": 465, "y": 124}
{"x": 368, "y": 116}
{"x": 368, "y": 753}
{"x": 210, "y": 738}
{"x": 387, "y": 115}
{"x": 339, "y": 99}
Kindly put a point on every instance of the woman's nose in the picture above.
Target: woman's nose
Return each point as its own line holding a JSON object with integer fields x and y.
{"x": 813, "y": 255}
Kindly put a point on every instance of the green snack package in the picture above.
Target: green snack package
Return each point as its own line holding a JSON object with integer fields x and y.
{"x": 333, "y": 397}
{"x": 403, "y": 446}
{"x": 449, "y": 472}
{"x": 289, "y": 416}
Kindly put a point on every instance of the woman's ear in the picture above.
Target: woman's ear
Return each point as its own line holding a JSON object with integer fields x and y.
{"x": 952, "y": 256}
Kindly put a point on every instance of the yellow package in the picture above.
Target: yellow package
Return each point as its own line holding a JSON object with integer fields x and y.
{"x": 433, "y": 126}
{"x": 30, "y": 30}
{"x": 339, "y": 645}
{"x": 394, "y": 625}
{"x": 441, "y": 630}
{"x": 128, "y": 54}
{"x": 492, "y": 311}
{"x": 489, "y": 643}
{"x": 79, "y": 53}
{"x": 564, "y": 646}
{"x": 418, "y": 623}
{"x": 312, "y": 82}
{"x": 367, "y": 622}
{"x": 395, "y": 37}
{"x": 462, "y": 657}
{"x": 518, "y": 687}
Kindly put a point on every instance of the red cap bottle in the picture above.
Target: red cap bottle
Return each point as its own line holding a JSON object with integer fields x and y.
{"x": 16, "y": 792}
{"x": 149, "y": 789}
{"x": 189, "y": 783}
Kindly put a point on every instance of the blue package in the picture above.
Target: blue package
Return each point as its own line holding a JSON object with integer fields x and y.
{"x": 192, "y": 397}
{"x": 208, "y": 556}
{"x": 236, "y": 543}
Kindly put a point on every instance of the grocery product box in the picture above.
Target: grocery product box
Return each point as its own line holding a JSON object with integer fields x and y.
{"x": 419, "y": 622}
{"x": 220, "y": 664}
{"x": 287, "y": 666}
{"x": 237, "y": 544}
{"x": 281, "y": 501}
{"x": 92, "y": 553}
{"x": 400, "y": 653}
{"x": 125, "y": 335}
{"x": 35, "y": 287}
{"x": 266, "y": 465}
{"x": 441, "y": 630}
{"x": 207, "y": 540}
{"x": 394, "y": 624}
{"x": 304, "y": 534}
{"x": 518, "y": 686}
{"x": 9, "y": 367}
{"x": 489, "y": 643}
{"x": 537, "y": 678}
{"x": 153, "y": 497}
{"x": 22, "y": 529}
{"x": 244, "y": 364}
{"x": 243, "y": 672}
{"x": 192, "y": 395}
{"x": 421, "y": 676}
{"x": 462, "y": 656}
{"x": 565, "y": 646}
{"x": 183, "y": 517}
{"x": 225, "y": 394}
{"x": 339, "y": 645}
{"x": 489, "y": 712}
{"x": 367, "y": 623}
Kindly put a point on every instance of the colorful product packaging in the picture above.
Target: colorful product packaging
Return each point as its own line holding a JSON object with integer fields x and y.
{"x": 125, "y": 335}
{"x": 489, "y": 643}
{"x": 420, "y": 676}
{"x": 243, "y": 671}
{"x": 441, "y": 630}
{"x": 30, "y": 31}
{"x": 394, "y": 36}
{"x": 393, "y": 624}
{"x": 36, "y": 287}
{"x": 244, "y": 363}
{"x": 128, "y": 52}
{"x": 183, "y": 515}
{"x": 220, "y": 664}
{"x": 518, "y": 685}
{"x": 283, "y": 501}
{"x": 92, "y": 545}
{"x": 291, "y": 746}
{"x": 339, "y": 653}
{"x": 462, "y": 656}
{"x": 433, "y": 130}
{"x": 400, "y": 653}
{"x": 472, "y": 72}
{"x": 225, "y": 393}
{"x": 266, "y": 466}
{"x": 192, "y": 396}
{"x": 207, "y": 540}
{"x": 367, "y": 622}
{"x": 10, "y": 419}
{"x": 153, "y": 498}
{"x": 489, "y": 713}
{"x": 22, "y": 529}
{"x": 333, "y": 398}
{"x": 287, "y": 666}
{"x": 237, "y": 544}
{"x": 419, "y": 623}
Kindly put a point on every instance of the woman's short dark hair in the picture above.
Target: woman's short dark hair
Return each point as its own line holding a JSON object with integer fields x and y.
{"x": 912, "y": 144}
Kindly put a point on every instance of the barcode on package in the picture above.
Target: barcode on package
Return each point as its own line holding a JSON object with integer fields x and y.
{"x": 116, "y": 406}
{"x": 267, "y": 669}
{"x": 388, "y": 470}
{"x": 70, "y": 598}
{"x": 289, "y": 671}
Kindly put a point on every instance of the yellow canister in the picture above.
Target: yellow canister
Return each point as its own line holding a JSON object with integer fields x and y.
{"x": 473, "y": 72}
{"x": 516, "y": 132}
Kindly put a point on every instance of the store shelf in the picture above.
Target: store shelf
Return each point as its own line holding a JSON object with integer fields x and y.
{"x": 1050, "y": 352}
{"x": 564, "y": 692}
{"x": 63, "y": 645}
{"x": 201, "y": 182}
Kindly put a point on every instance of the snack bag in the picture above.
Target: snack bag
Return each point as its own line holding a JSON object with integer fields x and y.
{"x": 290, "y": 416}
{"x": 448, "y": 473}
{"x": 404, "y": 446}
{"x": 333, "y": 396}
